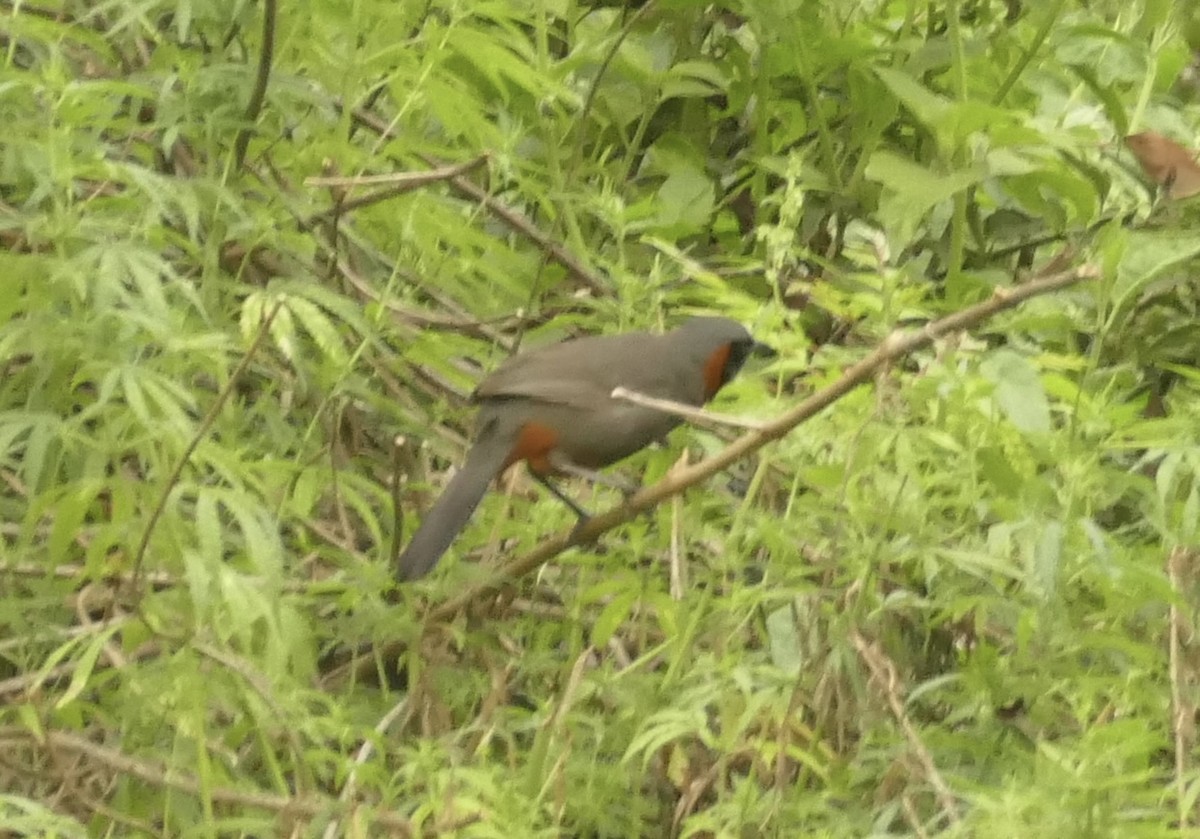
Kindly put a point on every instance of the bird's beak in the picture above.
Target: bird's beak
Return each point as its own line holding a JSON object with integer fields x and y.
{"x": 760, "y": 350}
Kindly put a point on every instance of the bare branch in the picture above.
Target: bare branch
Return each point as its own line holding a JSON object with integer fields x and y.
{"x": 682, "y": 409}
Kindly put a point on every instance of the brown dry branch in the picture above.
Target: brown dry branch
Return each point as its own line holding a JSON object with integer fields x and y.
{"x": 165, "y": 777}
{"x": 514, "y": 219}
{"x": 913, "y": 817}
{"x": 677, "y": 571}
{"x": 897, "y": 345}
{"x": 58, "y": 634}
{"x": 476, "y": 327}
{"x": 523, "y": 225}
{"x": 399, "y": 183}
{"x": 884, "y": 673}
{"x": 157, "y": 579}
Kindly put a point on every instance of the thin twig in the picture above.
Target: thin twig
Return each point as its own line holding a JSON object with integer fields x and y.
{"x": 139, "y": 555}
{"x": 678, "y": 583}
{"x": 261, "y": 80}
{"x": 614, "y": 49}
{"x": 398, "y": 183}
{"x": 398, "y": 444}
{"x": 514, "y": 219}
{"x": 525, "y": 226}
{"x": 162, "y": 580}
{"x": 56, "y": 634}
{"x": 682, "y": 409}
{"x": 884, "y": 673}
{"x": 912, "y": 817}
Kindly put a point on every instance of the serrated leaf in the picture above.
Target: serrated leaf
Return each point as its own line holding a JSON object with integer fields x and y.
{"x": 283, "y": 333}
{"x": 254, "y": 309}
{"x": 262, "y": 545}
{"x": 37, "y": 446}
{"x": 171, "y": 400}
{"x": 131, "y": 389}
{"x": 317, "y": 324}
{"x": 665, "y": 727}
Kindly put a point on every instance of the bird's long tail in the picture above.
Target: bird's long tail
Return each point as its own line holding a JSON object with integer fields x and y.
{"x": 451, "y": 512}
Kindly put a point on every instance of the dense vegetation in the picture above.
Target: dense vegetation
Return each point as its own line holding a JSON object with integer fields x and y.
{"x": 959, "y": 601}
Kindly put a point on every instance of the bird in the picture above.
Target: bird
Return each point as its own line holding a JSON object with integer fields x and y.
{"x": 552, "y": 407}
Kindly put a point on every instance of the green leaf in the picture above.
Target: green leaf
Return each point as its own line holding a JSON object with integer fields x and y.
{"x": 84, "y": 666}
{"x": 685, "y": 202}
{"x": 614, "y": 613}
{"x": 912, "y": 190}
{"x": 693, "y": 79}
{"x": 784, "y": 638}
{"x": 1148, "y": 255}
{"x": 928, "y": 107}
{"x": 209, "y": 532}
{"x": 1019, "y": 393}
{"x": 70, "y": 511}
{"x": 1047, "y": 559}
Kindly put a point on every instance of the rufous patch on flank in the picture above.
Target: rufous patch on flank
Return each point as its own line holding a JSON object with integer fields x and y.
{"x": 534, "y": 444}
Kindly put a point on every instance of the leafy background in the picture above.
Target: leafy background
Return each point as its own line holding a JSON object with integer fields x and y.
{"x": 959, "y": 602}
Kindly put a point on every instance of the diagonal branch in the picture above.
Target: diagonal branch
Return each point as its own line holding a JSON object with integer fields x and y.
{"x": 895, "y": 346}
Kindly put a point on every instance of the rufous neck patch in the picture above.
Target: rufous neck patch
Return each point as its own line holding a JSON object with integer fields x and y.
{"x": 714, "y": 371}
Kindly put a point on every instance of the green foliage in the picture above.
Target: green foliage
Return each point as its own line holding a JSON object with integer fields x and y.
{"x": 945, "y": 606}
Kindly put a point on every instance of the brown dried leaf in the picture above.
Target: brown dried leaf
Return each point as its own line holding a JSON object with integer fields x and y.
{"x": 1166, "y": 163}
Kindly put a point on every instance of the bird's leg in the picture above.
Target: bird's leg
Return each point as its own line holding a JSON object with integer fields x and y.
{"x": 581, "y": 513}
